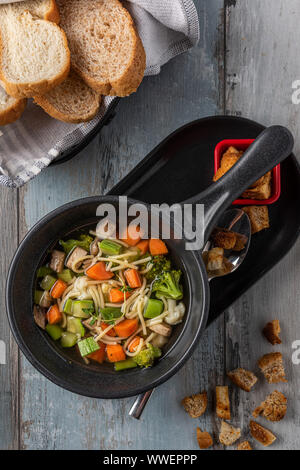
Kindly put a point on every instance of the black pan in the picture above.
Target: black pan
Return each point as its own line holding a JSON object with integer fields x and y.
{"x": 65, "y": 369}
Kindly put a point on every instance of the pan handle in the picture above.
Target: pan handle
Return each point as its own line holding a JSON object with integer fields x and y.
{"x": 139, "y": 404}
{"x": 270, "y": 148}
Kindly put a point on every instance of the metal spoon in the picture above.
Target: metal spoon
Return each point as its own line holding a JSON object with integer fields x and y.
{"x": 234, "y": 220}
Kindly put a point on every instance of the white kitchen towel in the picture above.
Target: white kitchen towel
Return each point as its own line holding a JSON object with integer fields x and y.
{"x": 166, "y": 27}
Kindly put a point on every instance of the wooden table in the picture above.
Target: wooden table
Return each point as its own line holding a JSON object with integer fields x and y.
{"x": 245, "y": 64}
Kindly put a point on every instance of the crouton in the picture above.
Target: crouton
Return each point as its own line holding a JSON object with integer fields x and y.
{"x": 241, "y": 241}
{"x": 271, "y": 331}
{"x": 204, "y": 439}
{"x": 244, "y": 446}
{"x": 273, "y": 408}
{"x": 259, "y": 217}
{"x": 243, "y": 378}
{"x": 229, "y": 435}
{"x": 261, "y": 434}
{"x": 222, "y": 403}
{"x": 195, "y": 405}
{"x": 224, "y": 239}
{"x": 215, "y": 259}
{"x": 272, "y": 367}
{"x": 261, "y": 191}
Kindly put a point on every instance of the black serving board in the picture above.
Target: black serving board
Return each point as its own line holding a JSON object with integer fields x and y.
{"x": 182, "y": 166}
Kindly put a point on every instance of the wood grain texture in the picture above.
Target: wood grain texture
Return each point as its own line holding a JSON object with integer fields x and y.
{"x": 187, "y": 88}
{"x": 261, "y": 42}
{"x": 9, "y": 403}
{"x": 255, "y": 80}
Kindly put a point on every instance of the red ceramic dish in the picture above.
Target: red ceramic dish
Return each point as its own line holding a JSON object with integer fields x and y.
{"x": 243, "y": 144}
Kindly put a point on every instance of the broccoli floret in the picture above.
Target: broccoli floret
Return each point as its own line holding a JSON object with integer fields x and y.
{"x": 160, "y": 264}
{"x": 84, "y": 242}
{"x": 167, "y": 285}
{"x": 146, "y": 357}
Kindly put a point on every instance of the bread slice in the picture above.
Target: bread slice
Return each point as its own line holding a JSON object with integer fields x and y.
{"x": 274, "y": 407}
{"x": 244, "y": 379}
{"x": 106, "y": 50}
{"x": 229, "y": 434}
{"x": 10, "y": 108}
{"x": 72, "y": 101}
{"x": 261, "y": 434}
{"x": 34, "y": 55}
{"x": 195, "y": 405}
{"x": 45, "y": 9}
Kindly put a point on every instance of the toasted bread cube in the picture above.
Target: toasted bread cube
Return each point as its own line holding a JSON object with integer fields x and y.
{"x": 195, "y": 405}
{"x": 229, "y": 159}
{"x": 229, "y": 434}
{"x": 222, "y": 403}
{"x": 215, "y": 259}
{"x": 259, "y": 217}
{"x": 243, "y": 378}
{"x": 244, "y": 446}
{"x": 271, "y": 331}
{"x": 241, "y": 242}
{"x": 272, "y": 367}
{"x": 273, "y": 408}
{"x": 261, "y": 191}
{"x": 204, "y": 439}
{"x": 261, "y": 434}
{"x": 224, "y": 239}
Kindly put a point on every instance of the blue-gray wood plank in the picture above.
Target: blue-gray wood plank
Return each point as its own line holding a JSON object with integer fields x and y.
{"x": 34, "y": 413}
{"x": 187, "y": 88}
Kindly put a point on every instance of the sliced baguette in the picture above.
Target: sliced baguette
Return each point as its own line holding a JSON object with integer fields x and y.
{"x": 34, "y": 55}
{"x": 10, "y": 108}
{"x": 72, "y": 101}
{"x": 106, "y": 50}
{"x": 45, "y": 9}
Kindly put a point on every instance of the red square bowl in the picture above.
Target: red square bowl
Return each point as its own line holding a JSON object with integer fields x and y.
{"x": 243, "y": 144}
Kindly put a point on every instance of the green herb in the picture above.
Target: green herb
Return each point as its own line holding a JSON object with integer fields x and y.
{"x": 110, "y": 314}
{"x": 126, "y": 288}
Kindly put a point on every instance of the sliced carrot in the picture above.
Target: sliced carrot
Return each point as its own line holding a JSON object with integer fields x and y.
{"x": 134, "y": 344}
{"x": 98, "y": 272}
{"x": 126, "y": 328}
{"x": 54, "y": 315}
{"x": 133, "y": 278}
{"x": 98, "y": 355}
{"x": 143, "y": 246}
{"x": 130, "y": 234}
{"x": 58, "y": 289}
{"x": 157, "y": 247}
{"x": 115, "y": 353}
{"x": 116, "y": 296}
{"x": 110, "y": 332}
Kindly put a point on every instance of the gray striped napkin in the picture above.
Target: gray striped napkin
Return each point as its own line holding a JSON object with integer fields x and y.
{"x": 167, "y": 28}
